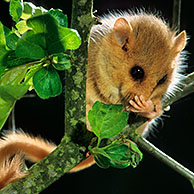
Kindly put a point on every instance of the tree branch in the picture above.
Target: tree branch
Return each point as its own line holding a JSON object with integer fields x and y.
{"x": 42, "y": 174}
{"x": 75, "y": 78}
{"x": 144, "y": 144}
{"x": 176, "y": 14}
{"x": 69, "y": 153}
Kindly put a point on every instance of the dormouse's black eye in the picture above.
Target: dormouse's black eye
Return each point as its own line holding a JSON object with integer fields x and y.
{"x": 137, "y": 73}
{"x": 161, "y": 81}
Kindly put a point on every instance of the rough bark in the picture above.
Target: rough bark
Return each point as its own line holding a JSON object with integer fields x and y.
{"x": 48, "y": 170}
{"x": 75, "y": 78}
{"x": 68, "y": 154}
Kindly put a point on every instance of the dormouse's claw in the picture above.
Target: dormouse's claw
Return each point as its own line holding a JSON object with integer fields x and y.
{"x": 127, "y": 108}
{"x": 139, "y": 104}
{"x": 135, "y": 105}
{"x": 144, "y": 107}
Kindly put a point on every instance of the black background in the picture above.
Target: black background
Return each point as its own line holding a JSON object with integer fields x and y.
{"x": 174, "y": 136}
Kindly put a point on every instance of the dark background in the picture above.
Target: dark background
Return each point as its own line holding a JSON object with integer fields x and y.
{"x": 174, "y": 135}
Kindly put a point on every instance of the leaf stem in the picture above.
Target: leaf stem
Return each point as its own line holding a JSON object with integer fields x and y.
{"x": 98, "y": 144}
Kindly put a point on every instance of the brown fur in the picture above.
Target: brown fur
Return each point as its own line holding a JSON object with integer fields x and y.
{"x": 35, "y": 148}
{"x": 11, "y": 169}
{"x": 14, "y": 148}
{"x": 120, "y": 43}
{"x": 148, "y": 42}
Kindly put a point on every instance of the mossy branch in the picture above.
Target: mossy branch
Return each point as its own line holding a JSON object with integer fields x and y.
{"x": 75, "y": 78}
{"x": 42, "y": 174}
{"x": 69, "y": 153}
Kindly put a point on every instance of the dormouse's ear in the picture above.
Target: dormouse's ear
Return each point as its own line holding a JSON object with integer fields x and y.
{"x": 180, "y": 42}
{"x": 122, "y": 30}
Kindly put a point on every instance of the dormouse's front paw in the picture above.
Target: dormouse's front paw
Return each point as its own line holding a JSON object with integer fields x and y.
{"x": 144, "y": 107}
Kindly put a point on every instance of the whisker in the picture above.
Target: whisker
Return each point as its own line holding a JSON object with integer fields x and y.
{"x": 165, "y": 115}
{"x": 126, "y": 98}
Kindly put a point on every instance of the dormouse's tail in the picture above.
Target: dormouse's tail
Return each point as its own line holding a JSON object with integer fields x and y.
{"x": 11, "y": 169}
{"x": 14, "y": 148}
{"x": 34, "y": 148}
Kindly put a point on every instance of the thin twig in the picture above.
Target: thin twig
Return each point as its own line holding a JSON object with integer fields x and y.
{"x": 176, "y": 14}
{"x": 29, "y": 96}
{"x": 186, "y": 88}
{"x": 154, "y": 151}
{"x": 11, "y": 121}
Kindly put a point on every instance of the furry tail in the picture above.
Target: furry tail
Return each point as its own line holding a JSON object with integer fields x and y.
{"x": 16, "y": 147}
{"x": 11, "y": 169}
{"x": 34, "y": 148}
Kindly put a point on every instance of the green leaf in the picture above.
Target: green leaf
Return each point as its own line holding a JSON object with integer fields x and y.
{"x": 31, "y": 46}
{"x": 69, "y": 38}
{"x": 5, "y": 109}
{"x": 2, "y": 37}
{"x": 61, "y": 61}
{"x": 14, "y": 76}
{"x": 107, "y": 120}
{"x": 3, "y": 51}
{"x": 101, "y": 158}
{"x": 59, "y": 16}
{"x": 28, "y": 10}
{"x": 47, "y": 82}
{"x": 58, "y": 38}
{"x": 22, "y": 27}
{"x": 15, "y": 9}
{"x": 46, "y": 37}
{"x": 137, "y": 155}
{"x": 31, "y": 10}
{"x": 117, "y": 155}
{"x": 29, "y": 76}
{"x": 39, "y": 11}
{"x": 13, "y": 60}
{"x": 11, "y": 89}
{"x": 8, "y": 96}
{"x": 12, "y": 92}
{"x": 11, "y": 38}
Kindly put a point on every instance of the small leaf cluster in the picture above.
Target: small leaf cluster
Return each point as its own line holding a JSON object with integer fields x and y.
{"x": 32, "y": 53}
{"x": 108, "y": 121}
